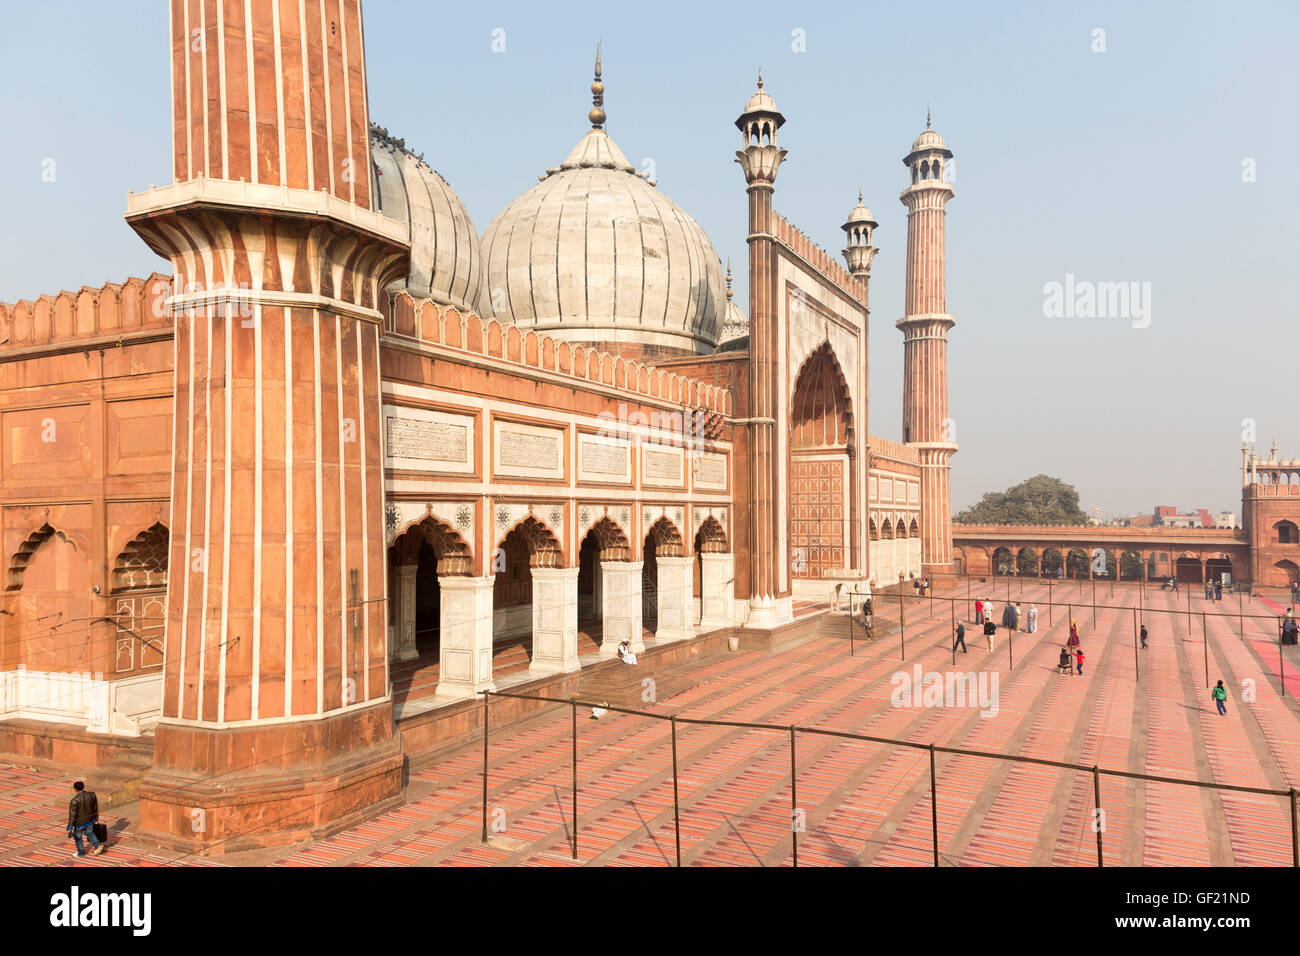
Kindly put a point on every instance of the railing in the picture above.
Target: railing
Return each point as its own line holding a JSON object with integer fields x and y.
{"x": 793, "y": 730}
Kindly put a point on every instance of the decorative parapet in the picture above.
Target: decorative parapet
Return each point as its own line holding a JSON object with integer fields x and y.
{"x": 114, "y": 309}
{"x": 817, "y": 258}
{"x": 895, "y": 450}
{"x": 445, "y": 327}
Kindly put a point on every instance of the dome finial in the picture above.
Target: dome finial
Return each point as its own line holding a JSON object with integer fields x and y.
{"x": 760, "y": 77}
{"x": 597, "y": 114}
{"x": 859, "y": 194}
{"x": 927, "y": 105}
{"x": 730, "y": 292}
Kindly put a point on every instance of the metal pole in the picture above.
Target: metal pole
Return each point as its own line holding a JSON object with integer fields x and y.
{"x": 485, "y": 764}
{"x": 934, "y": 807}
{"x": 1205, "y": 642}
{"x": 850, "y": 627}
{"x": 952, "y": 621}
{"x": 677, "y": 813}
{"x": 1241, "y": 623}
{"x": 1281, "y": 661}
{"x": 573, "y": 712}
{"x": 794, "y": 800}
{"x": 1049, "y": 602}
{"x": 1136, "y": 675}
{"x": 1011, "y": 654}
{"x": 1096, "y": 792}
{"x": 1295, "y": 834}
{"x": 902, "y": 629}
{"x": 1094, "y": 602}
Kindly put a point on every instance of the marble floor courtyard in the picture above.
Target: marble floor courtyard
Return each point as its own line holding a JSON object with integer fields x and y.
{"x": 861, "y": 803}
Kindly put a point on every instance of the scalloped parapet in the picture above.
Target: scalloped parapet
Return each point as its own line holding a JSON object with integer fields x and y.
{"x": 113, "y": 309}
{"x": 424, "y": 320}
{"x": 818, "y": 258}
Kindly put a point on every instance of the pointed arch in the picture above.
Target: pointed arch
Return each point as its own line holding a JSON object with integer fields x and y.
{"x": 712, "y": 537}
{"x": 451, "y": 550}
{"x": 544, "y": 547}
{"x": 821, "y": 408}
{"x": 611, "y": 540}
{"x": 143, "y": 562}
{"x": 23, "y": 556}
{"x": 666, "y": 537}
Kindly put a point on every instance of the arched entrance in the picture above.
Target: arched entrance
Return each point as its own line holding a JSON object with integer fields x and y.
{"x": 1052, "y": 563}
{"x": 1027, "y": 562}
{"x": 1216, "y": 568}
{"x": 418, "y": 559}
{"x": 822, "y": 468}
{"x": 715, "y": 567}
{"x": 610, "y": 584}
{"x": 1004, "y": 562}
{"x": 1188, "y": 570}
{"x": 666, "y": 591}
{"x": 1077, "y": 564}
{"x": 1130, "y": 566}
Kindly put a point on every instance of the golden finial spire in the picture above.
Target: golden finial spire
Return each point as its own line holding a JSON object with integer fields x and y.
{"x": 859, "y": 195}
{"x": 597, "y": 114}
{"x": 927, "y": 115}
{"x": 730, "y": 293}
{"x": 760, "y": 77}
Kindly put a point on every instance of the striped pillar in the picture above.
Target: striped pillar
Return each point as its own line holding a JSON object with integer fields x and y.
{"x": 926, "y": 423}
{"x": 277, "y": 720}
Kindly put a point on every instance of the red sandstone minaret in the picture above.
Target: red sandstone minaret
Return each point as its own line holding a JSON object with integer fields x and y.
{"x": 925, "y": 326}
{"x": 277, "y": 720}
{"x": 760, "y": 158}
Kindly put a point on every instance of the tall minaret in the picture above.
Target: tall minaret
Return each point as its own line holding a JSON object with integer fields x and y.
{"x": 277, "y": 717}
{"x": 925, "y": 326}
{"x": 760, "y": 158}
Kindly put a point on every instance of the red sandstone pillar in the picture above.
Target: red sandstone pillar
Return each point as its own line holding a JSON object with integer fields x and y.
{"x": 925, "y": 326}
{"x": 760, "y": 159}
{"x": 277, "y": 719}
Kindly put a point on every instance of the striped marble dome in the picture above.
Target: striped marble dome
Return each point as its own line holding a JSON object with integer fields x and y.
{"x": 595, "y": 254}
{"x": 446, "y": 258}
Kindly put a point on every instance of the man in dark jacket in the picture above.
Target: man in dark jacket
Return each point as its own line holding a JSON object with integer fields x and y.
{"x": 83, "y": 814}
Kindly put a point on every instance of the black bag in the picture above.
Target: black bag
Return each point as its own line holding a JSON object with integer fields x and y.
{"x": 101, "y": 832}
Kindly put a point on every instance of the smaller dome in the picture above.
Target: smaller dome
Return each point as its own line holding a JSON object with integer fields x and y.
{"x": 735, "y": 324}
{"x": 860, "y": 216}
{"x": 929, "y": 139}
{"x": 446, "y": 260}
{"x": 760, "y": 104}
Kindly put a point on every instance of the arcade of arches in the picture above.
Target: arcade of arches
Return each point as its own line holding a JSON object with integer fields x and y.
{"x": 551, "y": 609}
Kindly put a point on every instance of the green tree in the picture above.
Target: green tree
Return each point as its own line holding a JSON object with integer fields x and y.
{"x": 1041, "y": 500}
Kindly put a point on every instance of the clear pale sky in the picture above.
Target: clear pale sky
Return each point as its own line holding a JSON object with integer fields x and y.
{"x": 1122, "y": 165}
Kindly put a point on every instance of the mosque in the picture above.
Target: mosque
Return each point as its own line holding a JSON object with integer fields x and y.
{"x": 342, "y": 436}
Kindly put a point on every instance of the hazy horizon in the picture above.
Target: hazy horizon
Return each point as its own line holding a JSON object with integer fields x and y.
{"x": 1164, "y": 160}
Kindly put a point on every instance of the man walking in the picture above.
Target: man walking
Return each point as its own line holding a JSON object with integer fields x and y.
{"x": 1143, "y": 634}
{"x": 961, "y": 638}
{"x": 1220, "y": 696}
{"x": 83, "y": 814}
{"x": 979, "y": 610}
{"x": 989, "y": 630}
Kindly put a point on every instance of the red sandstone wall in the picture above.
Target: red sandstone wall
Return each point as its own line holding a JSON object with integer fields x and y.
{"x": 85, "y": 452}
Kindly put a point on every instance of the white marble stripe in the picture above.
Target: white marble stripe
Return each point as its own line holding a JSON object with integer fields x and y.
{"x": 319, "y": 513}
{"x": 306, "y": 94}
{"x": 279, "y": 88}
{"x": 221, "y": 92}
{"x": 207, "y": 517}
{"x": 343, "y": 513}
{"x": 329, "y": 112}
{"x": 256, "y": 689}
{"x": 253, "y": 164}
{"x": 226, "y": 378}
{"x": 289, "y": 593}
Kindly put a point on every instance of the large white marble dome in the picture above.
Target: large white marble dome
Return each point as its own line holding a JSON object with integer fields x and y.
{"x": 595, "y": 254}
{"x": 446, "y": 260}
